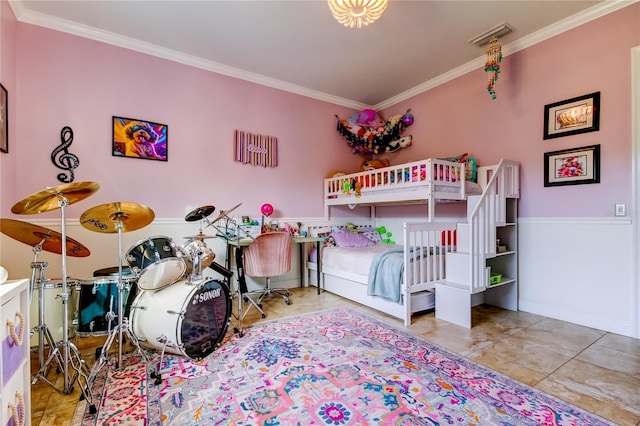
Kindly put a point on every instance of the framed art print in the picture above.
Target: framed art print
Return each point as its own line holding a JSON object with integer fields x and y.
{"x": 572, "y": 166}
{"x": 139, "y": 139}
{"x": 4, "y": 120}
{"x": 572, "y": 116}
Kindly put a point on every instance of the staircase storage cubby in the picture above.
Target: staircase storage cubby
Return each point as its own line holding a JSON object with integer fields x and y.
{"x": 485, "y": 267}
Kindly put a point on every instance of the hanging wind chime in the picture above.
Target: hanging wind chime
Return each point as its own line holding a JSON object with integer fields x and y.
{"x": 492, "y": 66}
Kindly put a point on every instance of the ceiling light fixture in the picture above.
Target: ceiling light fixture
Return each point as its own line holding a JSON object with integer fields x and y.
{"x": 357, "y": 13}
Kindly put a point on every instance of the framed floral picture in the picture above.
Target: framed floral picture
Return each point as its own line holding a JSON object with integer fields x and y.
{"x": 139, "y": 139}
{"x": 572, "y": 116}
{"x": 572, "y": 166}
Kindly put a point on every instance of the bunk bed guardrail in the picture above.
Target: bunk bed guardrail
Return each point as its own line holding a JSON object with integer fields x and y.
{"x": 430, "y": 242}
{"x": 427, "y": 180}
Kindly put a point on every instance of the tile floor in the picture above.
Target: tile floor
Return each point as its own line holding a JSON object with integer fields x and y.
{"x": 592, "y": 369}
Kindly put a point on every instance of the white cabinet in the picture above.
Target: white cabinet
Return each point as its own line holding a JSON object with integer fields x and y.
{"x": 15, "y": 385}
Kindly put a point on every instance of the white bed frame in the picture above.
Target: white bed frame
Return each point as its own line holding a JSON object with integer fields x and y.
{"x": 423, "y": 181}
{"x": 409, "y": 185}
{"x": 419, "y": 280}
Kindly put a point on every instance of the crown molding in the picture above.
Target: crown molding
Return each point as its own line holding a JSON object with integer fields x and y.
{"x": 36, "y": 18}
{"x": 534, "y": 38}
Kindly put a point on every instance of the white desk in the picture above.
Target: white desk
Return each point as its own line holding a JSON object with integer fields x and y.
{"x": 301, "y": 241}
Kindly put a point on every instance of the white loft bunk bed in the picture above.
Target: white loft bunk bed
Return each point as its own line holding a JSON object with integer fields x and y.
{"x": 451, "y": 257}
{"x": 425, "y": 181}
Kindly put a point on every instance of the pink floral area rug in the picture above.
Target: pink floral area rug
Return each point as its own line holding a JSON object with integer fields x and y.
{"x": 336, "y": 367}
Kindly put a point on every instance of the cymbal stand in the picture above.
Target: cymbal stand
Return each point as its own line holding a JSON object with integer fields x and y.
{"x": 44, "y": 334}
{"x": 32, "y": 283}
{"x": 70, "y": 354}
{"x": 242, "y": 284}
{"x": 123, "y": 324}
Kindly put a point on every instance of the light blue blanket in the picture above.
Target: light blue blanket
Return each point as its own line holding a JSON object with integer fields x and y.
{"x": 385, "y": 275}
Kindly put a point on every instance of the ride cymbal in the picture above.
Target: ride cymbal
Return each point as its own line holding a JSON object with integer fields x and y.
{"x": 224, "y": 213}
{"x": 32, "y": 235}
{"x": 106, "y": 217}
{"x": 200, "y": 236}
{"x": 199, "y": 213}
{"x": 49, "y": 199}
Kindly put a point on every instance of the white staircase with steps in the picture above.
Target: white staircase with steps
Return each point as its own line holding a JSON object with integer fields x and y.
{"x": 491, "y": 222}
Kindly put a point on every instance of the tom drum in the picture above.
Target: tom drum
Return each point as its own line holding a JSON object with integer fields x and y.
{"x": 198, "y": 250}
{"x": 157, "y": 262}
{"x": 97, "y": 297}
{"x": 184, "y": 319}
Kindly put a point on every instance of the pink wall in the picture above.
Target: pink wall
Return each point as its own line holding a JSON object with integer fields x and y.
{"x": 8, "y": 165}
{"x": 66, "y": 80}
{"x": 460, "y": 116}
{"x": 63, "y": 80}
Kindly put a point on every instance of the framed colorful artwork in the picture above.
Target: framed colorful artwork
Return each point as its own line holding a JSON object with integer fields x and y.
{"x": 572, "y": 166}
{"x": 4, "y": 119}
{"x": 572, "y": 116}
{"x": 139, "y": 139}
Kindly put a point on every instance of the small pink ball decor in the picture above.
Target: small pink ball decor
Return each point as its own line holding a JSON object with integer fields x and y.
{"x": 267, "y": 209}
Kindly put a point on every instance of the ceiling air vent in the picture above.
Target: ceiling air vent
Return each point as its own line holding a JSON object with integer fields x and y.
{"x": 497, "y": 31}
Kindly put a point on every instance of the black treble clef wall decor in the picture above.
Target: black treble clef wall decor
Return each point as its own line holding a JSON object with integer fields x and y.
{"x": 65, "y": 160}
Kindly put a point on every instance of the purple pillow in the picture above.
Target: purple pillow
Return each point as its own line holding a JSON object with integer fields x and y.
{"x": 351, "y": 239}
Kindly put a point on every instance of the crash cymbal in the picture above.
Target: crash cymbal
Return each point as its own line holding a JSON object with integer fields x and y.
{"x": 106, "y": 217}
{"x": 224, "y": 213}
{"x": 200, "y": 236}
{"x": 49, "y": 198}
{"x": 199, "y": 213}
{"x": 32, "y": 235}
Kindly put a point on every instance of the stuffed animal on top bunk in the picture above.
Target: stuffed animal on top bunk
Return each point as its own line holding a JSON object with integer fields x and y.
{"x": 374, "y": 164}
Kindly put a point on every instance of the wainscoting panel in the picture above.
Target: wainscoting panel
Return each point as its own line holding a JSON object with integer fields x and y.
{"x": 579, "y": 270}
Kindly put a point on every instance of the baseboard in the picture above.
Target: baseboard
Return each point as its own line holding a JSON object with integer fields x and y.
{"x": 611, "y": 325}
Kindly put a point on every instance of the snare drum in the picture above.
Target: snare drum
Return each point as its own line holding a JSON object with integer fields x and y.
{"x": 184, "y": 319}
{"x": 96, "y": 298}
{"x": 53, "y": 315}
{"x": 198, "y": 250}
{"x": 156, "y": 262}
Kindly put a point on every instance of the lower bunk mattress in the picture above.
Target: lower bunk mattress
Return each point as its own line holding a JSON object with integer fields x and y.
{"x": 347, "y": 270}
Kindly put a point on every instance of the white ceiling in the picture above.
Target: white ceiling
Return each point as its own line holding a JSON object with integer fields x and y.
{"x": 297, "y": 46}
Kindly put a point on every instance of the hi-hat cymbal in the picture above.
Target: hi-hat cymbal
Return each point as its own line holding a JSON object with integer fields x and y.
{"x": 106, "y": 217}
{"x": 32, "y": 235}
{"x": 49, "y": 199}
{"x": 199, "y": 213}
{"x": 200, "y": 236}
{"x": 224, "y": 213}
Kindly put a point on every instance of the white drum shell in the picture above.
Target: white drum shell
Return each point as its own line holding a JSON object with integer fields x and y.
{"x": 156, "y": 314}
{"x": 162, "y": 274}
{"x": 156, "y": 262}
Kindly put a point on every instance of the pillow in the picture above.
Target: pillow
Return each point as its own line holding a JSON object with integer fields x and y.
{"x": 350, "y": 239}
{"x": 462, "y": 158}
{"x": 471, "y": 173}
{"x": 458, "y": 159}
{"x": 371, "y": 233}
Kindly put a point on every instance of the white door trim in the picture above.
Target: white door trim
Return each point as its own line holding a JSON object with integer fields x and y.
{"x": 635, "y": 173}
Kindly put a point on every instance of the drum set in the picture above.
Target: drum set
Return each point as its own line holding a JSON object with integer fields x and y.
{"x": 160, "y": 301}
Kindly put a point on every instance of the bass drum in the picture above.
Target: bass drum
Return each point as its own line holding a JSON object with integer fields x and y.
{"x": 184, "y": 319}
